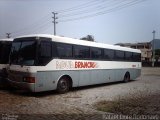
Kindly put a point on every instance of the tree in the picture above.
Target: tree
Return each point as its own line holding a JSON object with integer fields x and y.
{"x": 88, "y": 38}
{"x": 157, "y": 54}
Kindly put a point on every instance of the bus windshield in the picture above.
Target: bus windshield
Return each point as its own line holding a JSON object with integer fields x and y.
{"x": 23, "y": 51}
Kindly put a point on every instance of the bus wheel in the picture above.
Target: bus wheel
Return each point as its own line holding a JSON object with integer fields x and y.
{"x": 63, "y": 85}
{"x": 126, "y": 77}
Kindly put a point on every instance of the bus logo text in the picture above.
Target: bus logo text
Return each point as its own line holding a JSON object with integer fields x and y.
{"x": 76, "y": 64}
{"x": 85, "y": 64}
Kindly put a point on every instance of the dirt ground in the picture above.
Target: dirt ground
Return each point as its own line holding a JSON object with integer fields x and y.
{"x": 76, "y": 104}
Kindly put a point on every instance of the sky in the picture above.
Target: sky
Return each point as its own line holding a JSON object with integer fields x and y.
{"x": 109, "y": 21}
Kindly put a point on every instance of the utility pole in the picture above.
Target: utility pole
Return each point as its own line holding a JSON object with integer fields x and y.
{"x": 153, "y": 48}
{"x": 154, "y": 34}
{"x": 8, "y": 35}
{"x": 54, "y": 21}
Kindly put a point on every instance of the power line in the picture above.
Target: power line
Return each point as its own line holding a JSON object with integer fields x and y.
{"x": 101, "y": 8}
{"x": 95, "y": 9}
{"x": 44, "y": 18}
{"x": 106, "y": 11}
{"x": 33, "y": 25}
{"x": 35, "y": 29}
{"x": 77, "y": 7}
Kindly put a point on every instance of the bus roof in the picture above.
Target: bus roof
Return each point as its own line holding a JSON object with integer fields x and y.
{"x": 82, "y": 42}
{"x": 6, "y": 39}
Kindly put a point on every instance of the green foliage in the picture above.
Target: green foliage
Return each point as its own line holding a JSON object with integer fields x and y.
{"x": 88, "y": 38}
{"x": 157, "y": 52}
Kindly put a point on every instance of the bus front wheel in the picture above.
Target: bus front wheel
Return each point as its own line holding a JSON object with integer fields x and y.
{"x": 63, "y": 85}
{"x": 126, "y": 77}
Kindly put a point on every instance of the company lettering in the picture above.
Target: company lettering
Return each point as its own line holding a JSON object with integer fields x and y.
{"x": 85, "y": 65}
{"x": 76, "y": 64}
{"x": 133, "y": 65}
{"x": 64, "y": 65}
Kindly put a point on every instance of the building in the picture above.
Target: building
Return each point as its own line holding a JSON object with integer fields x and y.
{"x": 150, "y": 52}
{"x": 145, "y": 47}
{"x": 155, "y": 44}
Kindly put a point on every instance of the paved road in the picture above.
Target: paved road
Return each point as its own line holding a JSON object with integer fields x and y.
{"x": 76, "y": 102}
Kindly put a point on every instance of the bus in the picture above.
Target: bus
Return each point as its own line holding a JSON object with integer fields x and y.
{"x": 5, "y": 47}
{"x": 43, "y": 62}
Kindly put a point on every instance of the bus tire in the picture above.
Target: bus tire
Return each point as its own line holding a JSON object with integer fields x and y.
{"x": 126, "y": 77}
{"x": 63, "y": 85}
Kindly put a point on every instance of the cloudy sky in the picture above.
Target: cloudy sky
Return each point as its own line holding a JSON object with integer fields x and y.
{"x": 109, "y": 21}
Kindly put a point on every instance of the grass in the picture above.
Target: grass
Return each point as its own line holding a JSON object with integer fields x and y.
{"x": 136, "y": 103}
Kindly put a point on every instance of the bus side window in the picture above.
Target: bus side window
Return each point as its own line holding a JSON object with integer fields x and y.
{"x": 96, "y": 53}
{"x": 109, "y": 54}
{"x": 64, "y": 50}
{"x": 119, "y": 55}
{"x": 81, "y": 52}
{"x": 45, "y": 52}
{"x": 136, "y": 57}
{"x": 128, "y": 56}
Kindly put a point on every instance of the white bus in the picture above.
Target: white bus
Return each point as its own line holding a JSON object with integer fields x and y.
{"x": 45, "y": 62}
{"x": 5, "y": 47}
